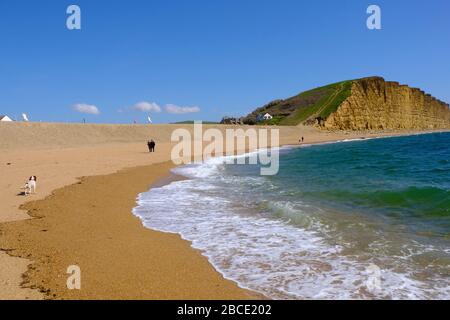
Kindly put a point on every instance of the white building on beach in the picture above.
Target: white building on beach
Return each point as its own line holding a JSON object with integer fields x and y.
{"x": 5, "y": 119}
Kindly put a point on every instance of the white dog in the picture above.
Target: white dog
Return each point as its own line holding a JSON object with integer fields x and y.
{"x": 30, "y": 186}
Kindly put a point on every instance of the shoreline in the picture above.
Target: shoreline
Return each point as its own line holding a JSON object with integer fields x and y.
{"x": 326, "y": 137}
{"x": 177, "y": 271}
{"x": 177, "y": 177}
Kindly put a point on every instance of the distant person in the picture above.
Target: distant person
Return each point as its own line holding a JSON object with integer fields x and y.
{"x": 151, "y": 145}
{"x": 301, "y": 140}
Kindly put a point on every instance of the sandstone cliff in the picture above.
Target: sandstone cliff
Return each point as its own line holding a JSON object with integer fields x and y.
{"x": 378, "y": 104}
{"x": 363, "y": 104}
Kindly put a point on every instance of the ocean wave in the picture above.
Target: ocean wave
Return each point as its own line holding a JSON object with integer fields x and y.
{"x": 282, "y": 249}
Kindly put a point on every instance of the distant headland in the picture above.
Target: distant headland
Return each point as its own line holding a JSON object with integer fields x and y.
{"x": 363, "y": 104}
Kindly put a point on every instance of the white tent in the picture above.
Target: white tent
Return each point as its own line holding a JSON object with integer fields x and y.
{"x": 267, "y": 117}
{"x": 5, "y": 119}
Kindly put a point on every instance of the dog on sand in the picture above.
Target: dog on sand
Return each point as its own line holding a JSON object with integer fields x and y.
{"x": 30, "y": 185}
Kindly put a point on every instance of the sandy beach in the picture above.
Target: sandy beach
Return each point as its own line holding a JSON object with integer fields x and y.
{"x": 88, "y": 179}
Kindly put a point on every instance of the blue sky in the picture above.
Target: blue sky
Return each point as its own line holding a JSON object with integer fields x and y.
{"x": 223, "y": 57}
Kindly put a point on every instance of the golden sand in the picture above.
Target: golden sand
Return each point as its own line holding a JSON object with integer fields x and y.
{"x": 89, "y": 224}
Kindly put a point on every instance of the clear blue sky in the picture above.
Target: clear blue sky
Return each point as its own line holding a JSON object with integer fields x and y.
{"x": 224, "y": 56}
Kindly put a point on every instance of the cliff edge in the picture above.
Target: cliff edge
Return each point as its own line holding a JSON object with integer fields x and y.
{"x": 362, "y": 104}
{"x": 378, "y": 104}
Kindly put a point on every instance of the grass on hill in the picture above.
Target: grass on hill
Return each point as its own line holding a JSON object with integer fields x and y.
{"x": 325, "y": 100}
{"x": 309, "y": 105}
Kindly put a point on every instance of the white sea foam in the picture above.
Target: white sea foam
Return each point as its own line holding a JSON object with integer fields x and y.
{"x": 288, "y": 258}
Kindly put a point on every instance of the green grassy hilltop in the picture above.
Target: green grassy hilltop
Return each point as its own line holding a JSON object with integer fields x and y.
{"x": 307, "y": 106}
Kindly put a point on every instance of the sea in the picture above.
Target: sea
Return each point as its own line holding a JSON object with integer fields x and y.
{"x": 357, "y": 219}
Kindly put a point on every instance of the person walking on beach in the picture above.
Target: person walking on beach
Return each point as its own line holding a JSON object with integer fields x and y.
{"x": 151, "y": 145}
{"x": 301, "y": 140}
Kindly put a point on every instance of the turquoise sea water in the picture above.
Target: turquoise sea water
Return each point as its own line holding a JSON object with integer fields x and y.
{"x": 358, "y": 219}
{"x": 402, "y": 181}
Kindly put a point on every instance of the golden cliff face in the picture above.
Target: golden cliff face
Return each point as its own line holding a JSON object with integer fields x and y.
{"x": 376, "y": 104}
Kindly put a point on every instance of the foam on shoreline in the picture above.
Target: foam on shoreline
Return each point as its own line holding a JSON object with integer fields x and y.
{"x": 270, "y": 256}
